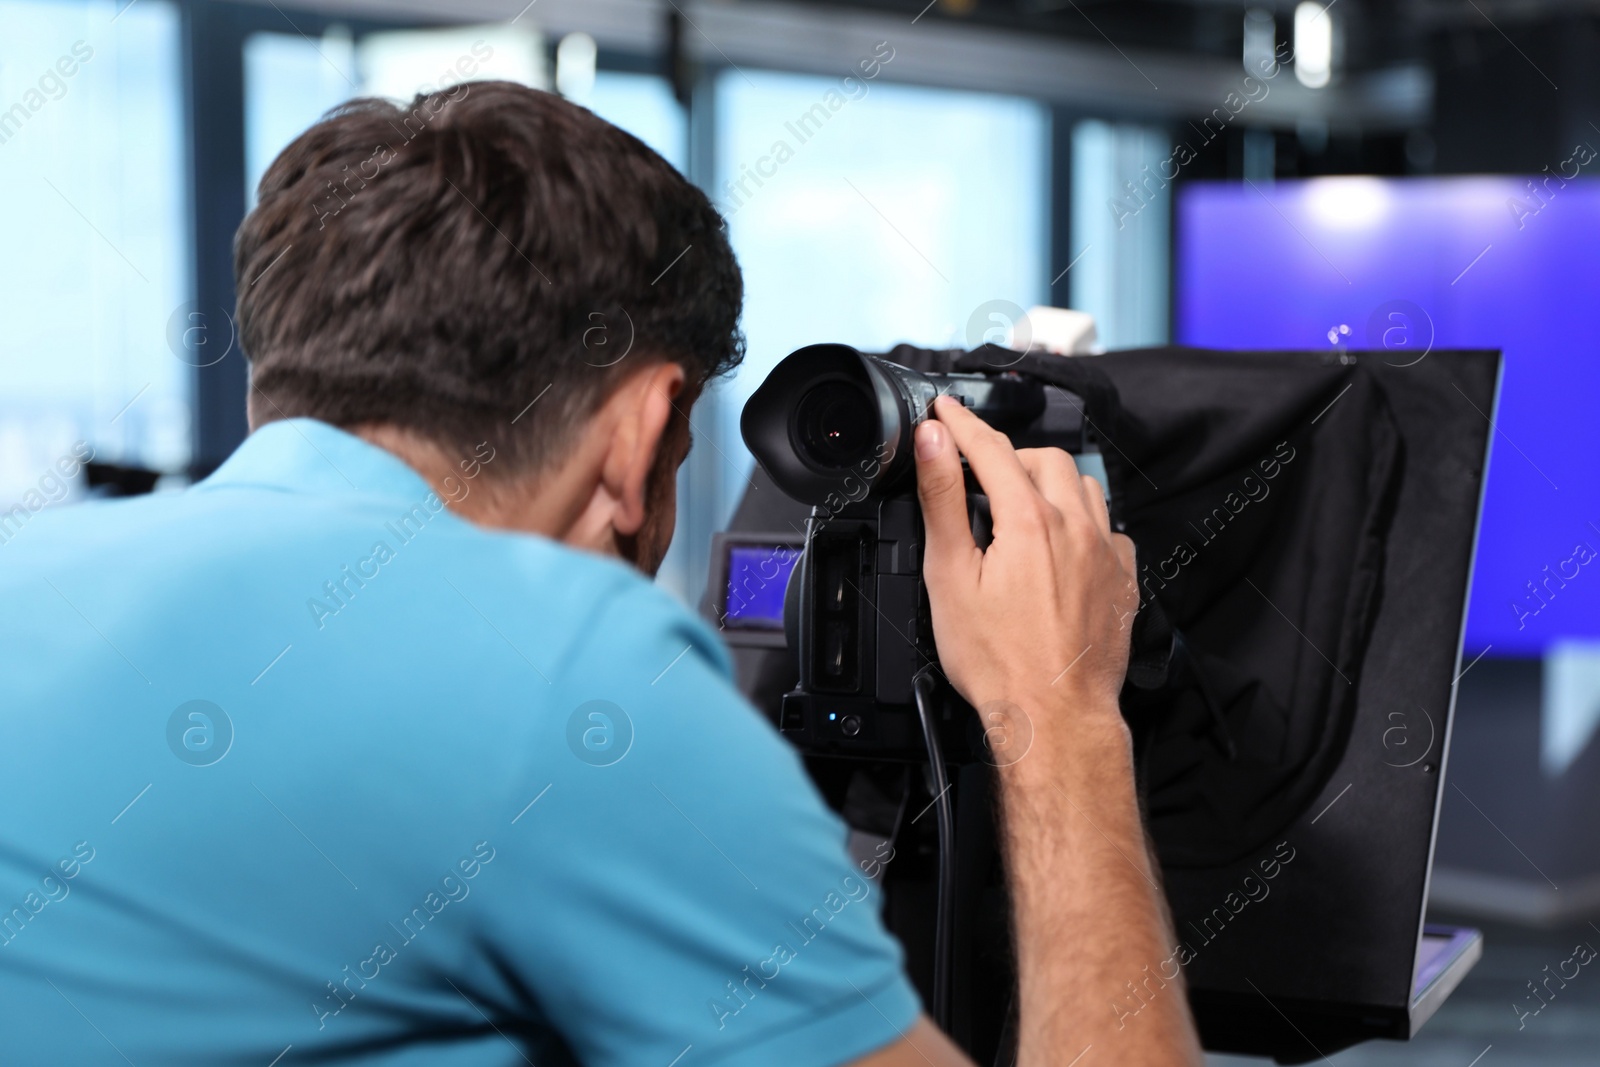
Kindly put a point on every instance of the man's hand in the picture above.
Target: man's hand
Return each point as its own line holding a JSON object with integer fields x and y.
{"x": 1041, "y": 619}
{"x": 1034, "y": 632}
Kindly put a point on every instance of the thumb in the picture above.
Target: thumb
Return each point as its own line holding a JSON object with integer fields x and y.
{"x": 943, "y": 493}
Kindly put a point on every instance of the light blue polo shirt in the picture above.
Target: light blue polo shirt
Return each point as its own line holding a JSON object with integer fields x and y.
{"x": 299, "y": 767}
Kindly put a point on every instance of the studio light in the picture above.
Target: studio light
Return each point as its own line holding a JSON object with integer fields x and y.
{"x": 1313, "y": 44}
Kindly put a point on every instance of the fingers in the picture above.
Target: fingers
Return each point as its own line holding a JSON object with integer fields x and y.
{"x": 943, "y": 492}
{"x": 1055, "y": 476}
{"x": 1055, "y": 473}
{"x": 1126, "y": 553}
{"x": 992, "y": 459}
{"x": 1011, "y": 479}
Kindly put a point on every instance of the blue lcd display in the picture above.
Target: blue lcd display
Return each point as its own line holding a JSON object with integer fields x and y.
{"x": 1419, "y": 264}
{"x": 758, "y": 575}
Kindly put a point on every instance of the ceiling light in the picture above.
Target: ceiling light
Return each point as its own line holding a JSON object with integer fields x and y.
{"x": 1313, "y": 44}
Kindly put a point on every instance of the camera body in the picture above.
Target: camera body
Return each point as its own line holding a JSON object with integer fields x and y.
{"x": 856, "y": 615}
{"x": 834, "y": 428}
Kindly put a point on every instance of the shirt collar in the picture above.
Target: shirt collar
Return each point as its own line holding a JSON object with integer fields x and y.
{"x": 307, "y": 456}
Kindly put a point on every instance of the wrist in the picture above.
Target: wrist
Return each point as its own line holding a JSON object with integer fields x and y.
{"x": 1046, "y": 735}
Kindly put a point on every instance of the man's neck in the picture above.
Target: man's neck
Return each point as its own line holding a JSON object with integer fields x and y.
{"x": 550, "y": 504}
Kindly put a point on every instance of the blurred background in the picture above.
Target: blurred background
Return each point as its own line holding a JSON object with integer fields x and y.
{"x": 1405, "y": 176}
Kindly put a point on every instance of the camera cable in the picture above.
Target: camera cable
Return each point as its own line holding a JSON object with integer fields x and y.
{"x": 944, "y": 914}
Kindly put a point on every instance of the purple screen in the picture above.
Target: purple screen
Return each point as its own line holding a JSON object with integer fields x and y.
{"x": 757, "y": 578}
{"x": 1413, "y": 264}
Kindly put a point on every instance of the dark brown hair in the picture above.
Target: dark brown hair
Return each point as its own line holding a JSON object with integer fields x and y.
{"x": 440, "y": 267}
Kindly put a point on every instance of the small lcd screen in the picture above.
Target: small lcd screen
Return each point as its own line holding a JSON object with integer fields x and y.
{"x": 758, "y": 575}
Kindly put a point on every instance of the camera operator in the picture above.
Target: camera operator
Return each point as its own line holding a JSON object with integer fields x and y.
{"x": 448, "y": 511}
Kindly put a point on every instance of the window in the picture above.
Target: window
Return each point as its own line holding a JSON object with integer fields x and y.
{"x": 96, "y": 266}
{"x": 643, "y": 105}
{"x": 1121, "y": 221}
{"x": 399, "y": 64}
{"x": 868, "y": 214}
{"x": 292, "y": 80}
{"x": 862, "y": 212}
{"x": 289, "y": 83}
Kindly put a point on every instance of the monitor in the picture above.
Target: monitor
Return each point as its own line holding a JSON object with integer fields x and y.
{"x": 1412, "y": 265}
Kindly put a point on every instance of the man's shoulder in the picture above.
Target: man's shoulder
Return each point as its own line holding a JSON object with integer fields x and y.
{"x": 601, "y": 612}
{"x": 385, "y": 583}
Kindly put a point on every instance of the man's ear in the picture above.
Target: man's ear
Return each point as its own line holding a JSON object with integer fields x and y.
{"x": 646, "y": 405}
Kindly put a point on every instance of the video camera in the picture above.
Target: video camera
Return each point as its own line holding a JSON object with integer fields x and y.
{"x": 834, "y": 429}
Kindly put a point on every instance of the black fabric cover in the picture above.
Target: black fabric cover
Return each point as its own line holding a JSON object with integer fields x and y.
{"x": 1258, "y": 488}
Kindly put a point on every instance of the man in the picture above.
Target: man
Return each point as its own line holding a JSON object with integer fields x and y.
{"x": 377, "y": 746}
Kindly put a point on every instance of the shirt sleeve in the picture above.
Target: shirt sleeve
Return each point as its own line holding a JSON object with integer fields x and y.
{"x": 684, "y": 895}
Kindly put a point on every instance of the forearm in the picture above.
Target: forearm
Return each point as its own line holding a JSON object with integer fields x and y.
{"x": 1091, "y": 925}
{"x": 1089, "y": 915}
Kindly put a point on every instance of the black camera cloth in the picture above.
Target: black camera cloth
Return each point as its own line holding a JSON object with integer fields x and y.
{"x": 1258, "y": 488}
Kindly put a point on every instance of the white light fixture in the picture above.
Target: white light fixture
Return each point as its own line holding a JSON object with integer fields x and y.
{"x": 575, "y": 60}
{"x": 1313, "y": 44}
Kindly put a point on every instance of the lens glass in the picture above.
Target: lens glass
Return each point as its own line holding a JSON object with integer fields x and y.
{"x": 835, "y": 423}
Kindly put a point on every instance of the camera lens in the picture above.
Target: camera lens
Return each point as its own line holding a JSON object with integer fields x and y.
{"x": 835, "y": 423}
